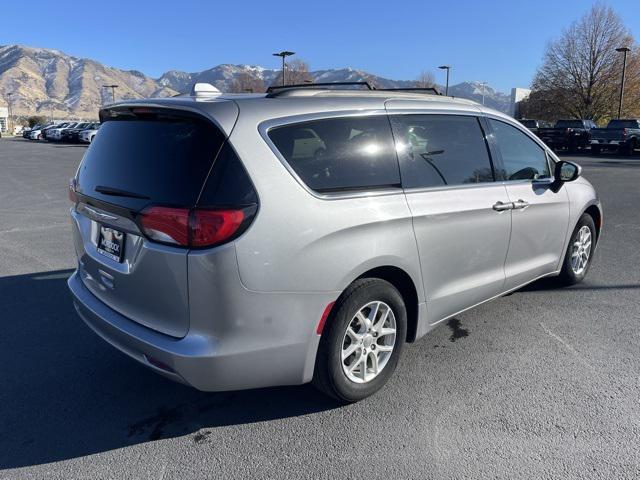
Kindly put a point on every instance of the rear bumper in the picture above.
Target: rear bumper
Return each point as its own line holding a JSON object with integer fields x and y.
{"x": 198, "y": 359}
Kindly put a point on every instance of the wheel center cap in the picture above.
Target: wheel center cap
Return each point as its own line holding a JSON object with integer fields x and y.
{"x": 368, "y": 340}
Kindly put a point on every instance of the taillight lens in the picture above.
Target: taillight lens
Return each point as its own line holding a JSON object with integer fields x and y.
{"x": 209, "y": 227}
{"x": 167, "y": 225}
{"x": 190, "y": 227}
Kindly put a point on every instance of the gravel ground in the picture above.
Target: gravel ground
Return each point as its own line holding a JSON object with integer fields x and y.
{"x": 543, "y": 383}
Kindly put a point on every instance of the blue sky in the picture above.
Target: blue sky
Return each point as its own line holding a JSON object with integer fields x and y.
{"x": 498, "y": 41}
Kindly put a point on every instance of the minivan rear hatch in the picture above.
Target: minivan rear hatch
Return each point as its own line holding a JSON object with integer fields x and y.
{"x": 141, "y": 157}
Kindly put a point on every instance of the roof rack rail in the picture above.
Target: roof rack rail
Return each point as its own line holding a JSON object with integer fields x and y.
{"x": 432, "y": 90}
{"x": 274, "y": 90}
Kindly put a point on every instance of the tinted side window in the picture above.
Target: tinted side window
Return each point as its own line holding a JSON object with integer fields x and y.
{"x": 522, "y": 158}
{"x": 436, "y": 150}
{"x": 228, "y": 183}
{"x": 340, "y": 153}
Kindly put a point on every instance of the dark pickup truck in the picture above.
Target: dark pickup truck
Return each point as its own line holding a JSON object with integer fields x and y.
{"x": 534, "y": 125}
{"x": 623, "y": 136}
{"x": 570, "y": 135}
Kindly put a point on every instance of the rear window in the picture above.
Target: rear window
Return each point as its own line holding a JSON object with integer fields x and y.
{"x": 623, "y": 124}
{"x": 340, "y": 154}
{"x": 569, "y": 124}
{"x": 161, "y": 160}
{"x": 529, "y": 123}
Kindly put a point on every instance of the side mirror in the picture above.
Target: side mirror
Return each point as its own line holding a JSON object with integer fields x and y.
{"x": 567, "y": 171}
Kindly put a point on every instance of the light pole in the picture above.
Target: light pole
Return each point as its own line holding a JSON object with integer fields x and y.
{"x": 284, "y": 54}
{"x": 9, "y": 123}
{"x": 447, "y": 68}
{"x": 624, "y": 50}
{"x": 113, "y": 91}
{"x": 483, "y": 85}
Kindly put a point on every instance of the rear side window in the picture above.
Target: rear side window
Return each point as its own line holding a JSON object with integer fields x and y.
{"x": 569, "y": 124}
{"x": 522, "y": 158}
{"x": 228, "y": 184}
{"x": 437, "y": 150}
{"x": 623, "y": 124}
{"x": 163, "y": 160}
{"x": 340, "y": 154}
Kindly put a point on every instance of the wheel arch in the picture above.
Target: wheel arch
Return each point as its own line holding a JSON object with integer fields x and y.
{"x": 401, "y": 280}
{"x": 594, "y": 212}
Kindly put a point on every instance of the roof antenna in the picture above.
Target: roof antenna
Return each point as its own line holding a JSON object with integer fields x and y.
{"x": 204, "y": 90}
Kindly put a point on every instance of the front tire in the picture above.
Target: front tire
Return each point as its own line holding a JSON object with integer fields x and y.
{"x": 579, "y": 254}
{"x": 362, "y": 341}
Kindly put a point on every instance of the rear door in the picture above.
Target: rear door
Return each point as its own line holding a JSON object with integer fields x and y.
{"x": 141, "y": 158}
{"x": 540, "y": 214}
{"x": 461, "y": 216}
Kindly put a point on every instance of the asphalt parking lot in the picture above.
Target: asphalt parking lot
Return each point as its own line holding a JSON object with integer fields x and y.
{"x": 543, "y": 383}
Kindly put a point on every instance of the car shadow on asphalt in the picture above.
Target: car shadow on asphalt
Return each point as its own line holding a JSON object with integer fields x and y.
{"x": 551, "y": 283}
{"x": 65, "y": 393}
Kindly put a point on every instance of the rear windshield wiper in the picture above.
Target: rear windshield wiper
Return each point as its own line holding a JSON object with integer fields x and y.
{"x": 116, "y": 192}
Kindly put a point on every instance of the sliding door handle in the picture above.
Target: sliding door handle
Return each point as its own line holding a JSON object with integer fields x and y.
{"x": 520, "y": 205}
{"x": 500, "y": 206}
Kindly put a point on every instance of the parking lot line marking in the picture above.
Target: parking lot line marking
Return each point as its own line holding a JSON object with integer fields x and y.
{"x": 565, "y": 344}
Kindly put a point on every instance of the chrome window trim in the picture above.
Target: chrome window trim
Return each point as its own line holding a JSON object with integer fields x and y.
{"x": 462, "y": 186}
{"x": 265, "y": 126}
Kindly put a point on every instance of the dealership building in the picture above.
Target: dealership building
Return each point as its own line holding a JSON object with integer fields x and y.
{"x": 517, "y": 96}
{"x": 4, "y": 119}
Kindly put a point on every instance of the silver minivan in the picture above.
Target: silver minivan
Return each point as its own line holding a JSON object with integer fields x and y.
{"x": 304, "y": 235}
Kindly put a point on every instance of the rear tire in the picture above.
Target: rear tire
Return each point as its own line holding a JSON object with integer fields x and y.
{"x": 350, "y": 377}
{"x": 577, "y": 258}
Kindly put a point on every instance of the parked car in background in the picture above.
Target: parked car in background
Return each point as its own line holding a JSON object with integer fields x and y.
{"x": 622, "y": 136}
{"x": 70, "y": 135}
{"x": 87, "y": 135}
{"x": 55, "y": 134}
{"x": 27, "y": 131}
{"x": 218, "y": 247}
{"x": 37, "y": 133}
{"x": 569, "y": 135}
{"x": 49, "y": 128}
{"x": 534, "y": 125}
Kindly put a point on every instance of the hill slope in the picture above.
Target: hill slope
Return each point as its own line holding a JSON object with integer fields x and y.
{"x": 49, "y": 82}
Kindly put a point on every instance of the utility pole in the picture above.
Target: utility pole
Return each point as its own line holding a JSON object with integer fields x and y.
{"x": 283, "y": 54}
{"x": 624, "y": 50}
{"x": 113, "y": 91}
{"x": 447, "y": 68}
{"x": 9, "y": 122}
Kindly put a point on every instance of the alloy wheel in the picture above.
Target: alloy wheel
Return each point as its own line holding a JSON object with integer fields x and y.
{"x": 369, "y": 341}
{"x": 581, "y": 250}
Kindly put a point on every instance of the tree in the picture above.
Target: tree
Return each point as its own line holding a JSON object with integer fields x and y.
{"x": 426, "y": 80}
{"x": 297, "y": 73}
{"x": 580, "y": 73}
{"x": 36, "y": 120}
{"x": 245, "y": 82}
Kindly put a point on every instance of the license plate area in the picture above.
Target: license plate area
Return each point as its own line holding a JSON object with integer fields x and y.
{"x": 111, "y": 243}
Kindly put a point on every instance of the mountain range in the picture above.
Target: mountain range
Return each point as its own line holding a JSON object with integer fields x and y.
{"x": 52, "y": 83}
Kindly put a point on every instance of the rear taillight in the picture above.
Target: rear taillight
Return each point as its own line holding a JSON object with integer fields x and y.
{"x": 209, "y": 227}
{"x": 191, "y": 227}
{"x": 167, "y": 225}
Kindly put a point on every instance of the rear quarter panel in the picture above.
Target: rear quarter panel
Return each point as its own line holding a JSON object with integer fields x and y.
{"x": 302, "y": 243}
